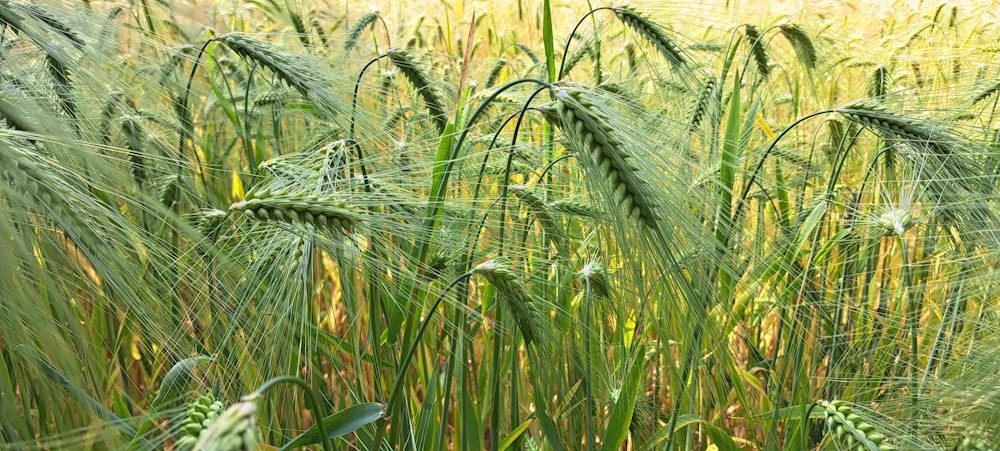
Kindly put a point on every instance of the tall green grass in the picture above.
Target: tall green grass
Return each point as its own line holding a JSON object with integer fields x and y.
{"x": 299, "y": 225}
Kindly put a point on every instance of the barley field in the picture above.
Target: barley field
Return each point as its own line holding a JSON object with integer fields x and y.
{"x": 538, "y": 225}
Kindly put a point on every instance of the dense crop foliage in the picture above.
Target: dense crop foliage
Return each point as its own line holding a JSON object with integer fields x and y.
{"x": 275, "y": 225}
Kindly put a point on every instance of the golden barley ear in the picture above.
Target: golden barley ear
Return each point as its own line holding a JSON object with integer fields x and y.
{"x": 985, "y": 93}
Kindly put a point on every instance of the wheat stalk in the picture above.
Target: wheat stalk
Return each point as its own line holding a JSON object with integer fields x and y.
{"x": 850, "y": 429}
{"x": 652, "y": 33}
{"x": 595, "y": 140}
{"x": 421, "y": 81}
{"x": 523, "y": 306}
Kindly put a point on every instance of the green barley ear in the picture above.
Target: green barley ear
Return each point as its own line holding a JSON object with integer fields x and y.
{"x": 54, "y": 23}
{"x": 873, "y": 114}
{"x": 574, "y": 58}
{"x": 523, "y": 306}
{"x": 529, "y": 53}
{"x": 495, "y": 72}
{"x": 701, "y": 106}
{"x": 300, "y": 28}
{"x": 602, "y": 152}
{"x": 63, "y": 87}
{"x": 210, "y": 222}
{"x": 365, "y": 22}
{"x": 976, "y": 440}
{"x": 839, "y": 132}
{"x": 805, "y": 51}
{"x": 878, "y": 82}
{"x": 945, "y": 146}
{"x": 198, "y": 418}
{"x": 631, "y": 58}
{"x": 30, "y": 173}
{"x": 758, "y": 49}
{"x": 421, "y": 81}
{"x": 132, "y": 129}
{"x": 595, "y": 275}
{"x": 652, "y": 33}
{"x": 266, "y": 55}
{"x": 317, "y": 26}
{"x": 323, "y": 212}
{"x": 169, "y": 191}
{"x": 540, "y": 210}
{"x": 294, "y": 70}
{"x": 277, "y": 97}
{"x": 849, "y": 429}
{"x": 234, "y": 430}
{"x": 575, "y": 207}
{"x": 985, "y": 93}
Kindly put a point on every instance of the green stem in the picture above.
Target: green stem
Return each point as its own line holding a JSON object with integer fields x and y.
{"x": 314, "y": 406}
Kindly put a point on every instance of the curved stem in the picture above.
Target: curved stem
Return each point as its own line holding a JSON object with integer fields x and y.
{"x": 912, "y": 318}
{"x": 741, "y": 201}
{"x": 562, "y": 64}
{"x": 510, "y": 161}
{"x": 397, "y": 389}
{"x": 187, "y": 111}
{"x": 438, "y": 195}
{"x": 317, "y": 410}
